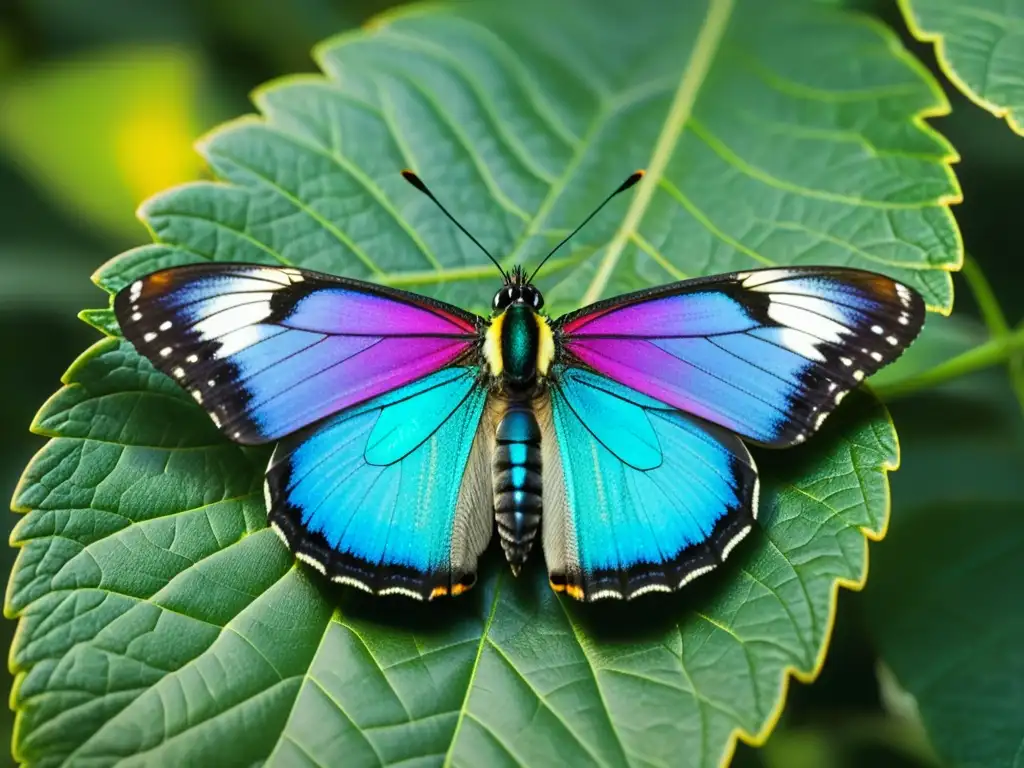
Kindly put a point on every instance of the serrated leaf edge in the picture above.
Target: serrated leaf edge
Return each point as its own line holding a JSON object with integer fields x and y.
{"x": 938, "y": 40}
{"x": 662, "y": 153}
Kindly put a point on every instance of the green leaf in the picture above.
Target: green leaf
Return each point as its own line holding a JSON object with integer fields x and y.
{"x": 941, "y": 339}
{"x": 942, "y": 603}
{"x": 160, "y": 620}
{"x": 944, "y": 606}
{"x": 980, "y": 48}
{"x": 973, "y": 453}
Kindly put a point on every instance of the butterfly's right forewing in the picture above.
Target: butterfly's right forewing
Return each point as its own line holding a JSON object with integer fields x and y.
{"x": 269, "y": 350}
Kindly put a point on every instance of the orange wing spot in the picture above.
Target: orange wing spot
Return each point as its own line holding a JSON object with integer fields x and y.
{"x": 161, "y": 278}
{"x": 570, "y": 589}
{"x": 458, "y": 589}
{"x": 884, "y": 285}
{"x": 438, "y": 592}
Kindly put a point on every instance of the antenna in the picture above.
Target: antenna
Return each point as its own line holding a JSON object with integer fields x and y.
{"x": 417, "y": 182}
{"x": 633, "y": 179}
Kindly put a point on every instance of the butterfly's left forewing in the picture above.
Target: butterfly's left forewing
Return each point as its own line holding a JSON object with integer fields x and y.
{"x": 767, "y": 354}
{"x": 269, "y": 350}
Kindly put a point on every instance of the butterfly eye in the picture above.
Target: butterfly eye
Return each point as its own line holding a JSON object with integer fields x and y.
{"x": 504, "y": 297}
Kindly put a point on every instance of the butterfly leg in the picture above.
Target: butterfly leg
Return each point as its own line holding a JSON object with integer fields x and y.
{"x": 517, "y": 482}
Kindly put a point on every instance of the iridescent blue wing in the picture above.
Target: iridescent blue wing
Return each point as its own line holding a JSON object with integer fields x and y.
{"x": 391, "y": 496}
{"x": 269, "y": 350}
{"x": 767, "y": 354}
{"x": 638, "y": 496}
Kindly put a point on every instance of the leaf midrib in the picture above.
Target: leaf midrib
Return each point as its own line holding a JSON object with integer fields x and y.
{"x": 706, "y": 46}
{"x": 707, "y": 43}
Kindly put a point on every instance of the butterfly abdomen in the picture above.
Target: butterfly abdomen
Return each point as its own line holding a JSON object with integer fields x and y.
{"x": 517, "y": 482}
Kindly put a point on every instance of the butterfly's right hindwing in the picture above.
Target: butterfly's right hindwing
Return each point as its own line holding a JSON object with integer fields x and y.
{"x": 391, "y": 496}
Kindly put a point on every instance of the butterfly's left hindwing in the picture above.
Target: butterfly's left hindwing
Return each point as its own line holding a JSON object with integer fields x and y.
{"x": 269, "y": 350}
{"x": 391, "y": 496}
{"x": 639, "y": 497}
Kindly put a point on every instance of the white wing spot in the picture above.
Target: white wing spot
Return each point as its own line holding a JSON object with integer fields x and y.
{"x": 192, "y": 359}
{"x": 197, "y": 396}
{"x": 165, "y": 352}
{"x": 731, "y": 544}
{"x": 694, "y": 574}
{"x": 136, "y": 316}
{"x": 904, "y": 319}
{"x": 876, "y": 356}
{"x": 312, "y": 561}
{"x": 229, "y": 313}
{"x": 858, "y": 375}
{"x": 165, "y": 325}
{"x": 807, "y": 321}
{"x": 802, "y": 343}
{"x": 179, "y": 372}
{"x": 839, "y": 397}
{"x": 753, "y": 279}
{"x": 135, "y": 291}
{"x": 846, "y": 361}
{"x": 892, "y": 340}
{"x": 877, "y": 329}
{"x": 149, "y": 337}
{"x": 211, "y": 382}
{"x": 399, "y": 591}
{"x": 755, "y": 500}
{"x": 355, "y": 583}
{"x": 643, "y": 591}
{"x": 277, "y": 529}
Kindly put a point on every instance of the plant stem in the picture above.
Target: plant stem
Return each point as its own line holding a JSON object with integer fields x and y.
{"x": 991, "y": 312}
{"x": 994, "y": 318}
{"x": 993, "y": 352}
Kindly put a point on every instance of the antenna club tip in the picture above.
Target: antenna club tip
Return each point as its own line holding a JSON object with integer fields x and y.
{"x": 415, "y": 180}
{"x": 640, "y": 172}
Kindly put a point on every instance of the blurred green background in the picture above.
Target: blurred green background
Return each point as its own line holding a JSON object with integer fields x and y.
{"x": 99, "y": 105}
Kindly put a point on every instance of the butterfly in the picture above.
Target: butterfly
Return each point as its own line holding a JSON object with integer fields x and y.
{"x": 408, "y": 429}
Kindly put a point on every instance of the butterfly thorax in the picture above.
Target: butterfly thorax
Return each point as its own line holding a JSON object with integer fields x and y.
{"x": 519, "y": 345}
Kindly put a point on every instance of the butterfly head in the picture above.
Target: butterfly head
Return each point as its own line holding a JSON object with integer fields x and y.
{"x": 517, "y": 290}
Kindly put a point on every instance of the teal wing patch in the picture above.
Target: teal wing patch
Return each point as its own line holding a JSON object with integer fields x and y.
{"x": 390, "y": 496}
{"x": 640, "y": 496}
